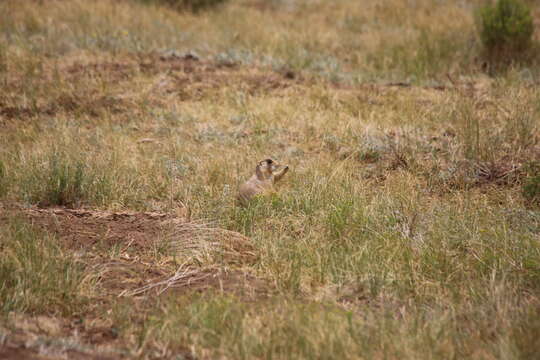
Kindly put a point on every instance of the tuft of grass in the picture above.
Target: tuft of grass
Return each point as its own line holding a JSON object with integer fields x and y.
{"x": 58, "y": 179}
{"x": 65, "y": 183}
{"x": 36, "y": 275}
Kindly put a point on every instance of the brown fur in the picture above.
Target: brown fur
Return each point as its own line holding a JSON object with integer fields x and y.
{"x": 267, "y": 173}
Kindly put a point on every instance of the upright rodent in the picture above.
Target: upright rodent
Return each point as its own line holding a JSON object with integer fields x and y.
{"x": 267, "y": 173}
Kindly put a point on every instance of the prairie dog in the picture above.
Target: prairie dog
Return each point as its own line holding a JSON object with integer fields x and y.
{"x": 267, "y": 172}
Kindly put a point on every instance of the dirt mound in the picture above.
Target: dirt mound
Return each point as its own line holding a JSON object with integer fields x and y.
{"x": 132, "y": 249}
{"x": 81, "y": 229}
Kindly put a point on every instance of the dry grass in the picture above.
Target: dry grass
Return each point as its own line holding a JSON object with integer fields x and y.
{"x": 401, "y": 231}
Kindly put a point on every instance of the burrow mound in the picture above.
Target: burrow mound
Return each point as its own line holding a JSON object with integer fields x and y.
{"x": 153, "y": 252}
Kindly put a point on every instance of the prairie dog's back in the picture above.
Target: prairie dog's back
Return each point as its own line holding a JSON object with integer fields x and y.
{"x": 253, "y": 187}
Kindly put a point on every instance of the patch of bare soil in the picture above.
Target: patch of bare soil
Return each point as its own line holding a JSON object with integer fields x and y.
{"x": 82, "y": 229}
{"x": 185, "y": 68}
{"x": 188, "y": 77}
{"x": 185, "y": 75}
{"x": 88, "y": 104}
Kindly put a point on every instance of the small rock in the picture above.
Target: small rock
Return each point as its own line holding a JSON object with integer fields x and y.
{"x": 174, "y": 54}
{"x": 49, "y": 325}
{"x": 191, "y": 55}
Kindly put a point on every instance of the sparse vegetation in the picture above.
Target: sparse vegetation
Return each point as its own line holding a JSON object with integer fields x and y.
{"x": 407, "y": 226}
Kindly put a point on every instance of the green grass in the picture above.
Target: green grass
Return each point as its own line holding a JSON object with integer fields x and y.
{"x": 283, "y": 328}
{"x": 37, "y": 276}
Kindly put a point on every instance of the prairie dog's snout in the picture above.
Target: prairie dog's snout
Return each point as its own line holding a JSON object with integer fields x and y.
{"x": 267, "y": 172}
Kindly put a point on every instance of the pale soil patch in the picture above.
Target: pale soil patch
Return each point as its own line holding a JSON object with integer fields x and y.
{"x": 45, "y": 337}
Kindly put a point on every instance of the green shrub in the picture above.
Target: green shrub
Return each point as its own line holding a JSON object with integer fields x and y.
{"x": 531, "y": 189}
{"x": 531, "y": 184}
{"x": 506, "y": 28}
{"x": 3, "y": 179}
{"x": 190, "y": 5}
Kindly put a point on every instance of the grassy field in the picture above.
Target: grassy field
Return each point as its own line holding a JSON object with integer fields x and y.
{"x": 407, "y": 227}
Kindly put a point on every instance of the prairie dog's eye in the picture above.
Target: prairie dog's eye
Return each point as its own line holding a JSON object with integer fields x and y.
{"x": 269, "y": 161}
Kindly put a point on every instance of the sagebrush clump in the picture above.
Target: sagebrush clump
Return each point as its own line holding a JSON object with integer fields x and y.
{"x": 505, "y": 28}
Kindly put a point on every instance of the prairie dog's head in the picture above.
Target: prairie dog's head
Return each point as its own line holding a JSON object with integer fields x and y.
{"x": 268, "y": 167}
